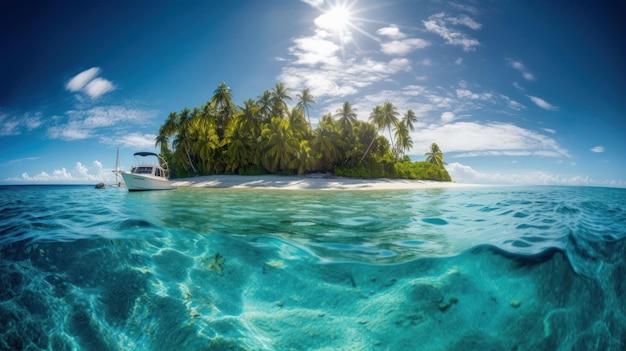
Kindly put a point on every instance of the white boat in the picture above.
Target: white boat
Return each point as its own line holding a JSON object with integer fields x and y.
{"x": 147, "y": 175}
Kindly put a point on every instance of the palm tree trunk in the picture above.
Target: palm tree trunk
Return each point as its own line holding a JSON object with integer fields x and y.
{"x": 393, "y": 145}
{"x": 368, "y": 148}
{"x": 189, "y": 159}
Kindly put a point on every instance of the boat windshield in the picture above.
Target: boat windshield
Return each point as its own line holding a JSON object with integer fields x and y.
{"x": 143, "y": 170}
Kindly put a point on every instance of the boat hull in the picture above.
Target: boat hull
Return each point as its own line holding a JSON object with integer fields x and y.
{"x": 145, "y": 182}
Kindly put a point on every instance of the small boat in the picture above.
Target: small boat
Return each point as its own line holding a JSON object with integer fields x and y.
{"x": 147, "y": 175}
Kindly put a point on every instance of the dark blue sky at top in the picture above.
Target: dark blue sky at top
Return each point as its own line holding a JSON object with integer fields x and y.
{"x": 164, "y": 56}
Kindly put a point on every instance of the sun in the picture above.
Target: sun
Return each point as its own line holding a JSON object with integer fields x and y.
{"x": 336, "y": 19}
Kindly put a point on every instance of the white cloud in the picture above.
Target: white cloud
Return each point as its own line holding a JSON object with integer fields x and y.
{"x": 597, "y": 149}
{"x": 103, "y": 116}
{"x": 70, "y": 131}
{"x": 83, "y": 124}
{"x": 403, "y": 47}
{"x": 89, "y": 83}
{"x": 79, "y": 174}
{"x": 466, "y": 93}
{"x": 512, "y": 104}
{"x": 79, "y": 81}
{"x": 519, "y": 87}
{"x": 392, "y": 32}
{"x": 542, "y": 103}
{"x": 314, "y": 3}
{"x": 471, "y": 139}
{"x": 447, "y": 117}
{"x": 15, "y": 125}
{"x": 466, "y": 21}
{"x": 549, "y": 130}
{"x": 314, "y": 50}
{"x": 131, "y": 141}
{"x": 328, "y": 75}
{"x": 98, "y": 87}
{"x": 462, "y": 173}
{"x": 518, "y": 65}
{"x": 10, "y": 127}
{"x": 440, "y": 24}
{"x": 459, "y": 61}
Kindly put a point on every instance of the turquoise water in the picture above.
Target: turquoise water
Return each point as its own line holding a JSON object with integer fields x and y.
{"x": 514, "y": 268}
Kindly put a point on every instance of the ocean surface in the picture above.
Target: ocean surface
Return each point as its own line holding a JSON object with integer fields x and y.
{"x": 486, "y": 268}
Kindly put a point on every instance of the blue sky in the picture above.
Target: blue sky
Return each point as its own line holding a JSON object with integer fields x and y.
{"x": 513, "y": 92}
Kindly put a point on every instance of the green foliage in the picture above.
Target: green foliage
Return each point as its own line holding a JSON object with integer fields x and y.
{"x": 421, "y": 170}
{"x": 386, "y": 168}
{"x": 263, "y": 137}
{"x": 251, "y": 170}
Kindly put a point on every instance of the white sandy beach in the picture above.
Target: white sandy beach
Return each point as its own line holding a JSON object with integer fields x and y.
{"x": 309, "y": 182}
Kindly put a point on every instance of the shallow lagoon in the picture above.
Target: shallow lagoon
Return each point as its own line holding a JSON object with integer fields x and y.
{"x": 528, "y": 268}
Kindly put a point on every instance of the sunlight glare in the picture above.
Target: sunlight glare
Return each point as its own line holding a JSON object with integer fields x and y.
{"x": 336, "y": 19}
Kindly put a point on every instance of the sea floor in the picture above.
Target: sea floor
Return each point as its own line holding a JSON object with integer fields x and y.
{"x": 168, "y": 284}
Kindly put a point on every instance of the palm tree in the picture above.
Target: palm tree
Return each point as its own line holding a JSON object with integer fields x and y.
{"x": 327, "y": 143}
{"x": 304, "y": 160}
{"x": 409, "y": 120}
{"x": 222, "y": 101}
{"x": 376, "y": 119}
{"x": 347, "y": 116}
{"x": 184, "y": 134}
{"x": 403, "y": 138}
{"x": 389, "y": 118}
{"x": 298, "y": 124}
{"x": 279, "y": 94}
{"x": 265, "y": 106}
{"x": 222, "y": 96}
{"x": 279, "y": 144}
{"x": 237, "y": 147}
{"x": 305, "y": 101}
{"x": 435, "y": 156}
{"x": 206, "y": 143}
{"x": 166, "y": 131}
{"x": 248, "y": 117}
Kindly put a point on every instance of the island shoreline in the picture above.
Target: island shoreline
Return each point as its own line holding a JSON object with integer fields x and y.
{"x": 310, "y": 182}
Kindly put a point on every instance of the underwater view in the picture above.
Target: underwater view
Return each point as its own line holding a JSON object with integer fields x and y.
{"x": 480, "y": 268}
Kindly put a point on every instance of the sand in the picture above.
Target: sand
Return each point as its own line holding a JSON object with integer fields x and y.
{"x": 310, "y": 182}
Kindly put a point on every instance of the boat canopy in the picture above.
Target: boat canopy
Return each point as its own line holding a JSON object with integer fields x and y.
{"x": 144, "y": 154}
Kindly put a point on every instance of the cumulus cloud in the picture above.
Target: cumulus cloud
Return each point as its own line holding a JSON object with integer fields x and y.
{"x": 327, "y": 74}
{"x": 79, "y": 174}
{"x": 462, "y": 173}
{"x": 597, "y": 149}
{"x": 518, "y": 65}
{"x": 471, "y": 139}
{"x": 542, "y": 103}
{"x": 89, "y": 83}
{"x": 447, "y": 117}
{"x": 392, "y": 32}
{"x": 403, "y": 47}
{"x": 443, "y": 25}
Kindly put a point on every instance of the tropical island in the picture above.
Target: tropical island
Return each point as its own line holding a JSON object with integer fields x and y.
{"x": 265, "y": 137}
